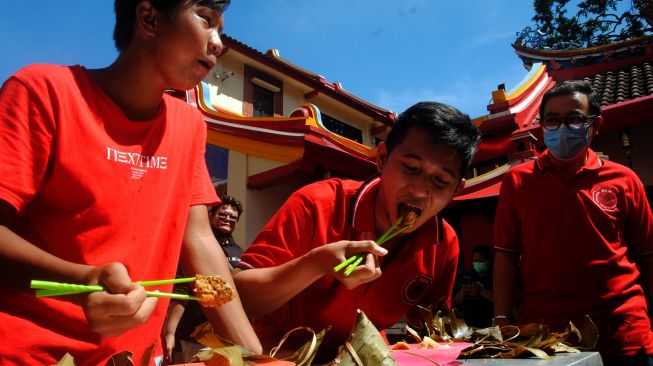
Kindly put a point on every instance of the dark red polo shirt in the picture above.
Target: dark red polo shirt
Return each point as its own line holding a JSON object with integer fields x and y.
{"x": 574, "y": 235}
{"x": 420, "y": 272}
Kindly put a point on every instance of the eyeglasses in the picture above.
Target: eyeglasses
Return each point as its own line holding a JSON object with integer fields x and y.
{"x": 573, "y": 121}
{"x": 227, "y": 217}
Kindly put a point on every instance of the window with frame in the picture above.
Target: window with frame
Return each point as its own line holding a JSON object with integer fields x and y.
{"x": 263, "y": 102}
{"x": 342, "y": 129}
{"x": 262, "y": 94}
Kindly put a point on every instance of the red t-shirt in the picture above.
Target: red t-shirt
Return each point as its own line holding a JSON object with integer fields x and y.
{"x": 574, "y": 236}
{"x": 92, "y": 186}
{"x": 421, "y": 272}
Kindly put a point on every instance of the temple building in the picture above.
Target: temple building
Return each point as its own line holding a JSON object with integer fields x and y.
{"x": 274, "y": 127}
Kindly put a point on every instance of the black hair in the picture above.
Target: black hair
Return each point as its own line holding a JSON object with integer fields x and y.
{"x": 444, "y": 124}
{"x": 571, "y": 87}
{"x": 126, "y": 15}
{"x": 485, "y": 251}
{"x": 228, "y": 200}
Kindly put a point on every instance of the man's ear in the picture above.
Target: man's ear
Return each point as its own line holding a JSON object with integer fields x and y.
{"x": 461, "y": 185}
{"x": 596, "y": 126}
{"x": 381, "y": 155}
{"x": 146, "y": 17}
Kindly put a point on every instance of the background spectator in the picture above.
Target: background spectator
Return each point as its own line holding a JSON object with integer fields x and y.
{"x": 184, "y": 316}
{"x": 223, "y": 223}
{"x": 474, "y": 297}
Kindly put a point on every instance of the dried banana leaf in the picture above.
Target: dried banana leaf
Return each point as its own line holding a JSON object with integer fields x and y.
{"x": 490, "y": 333}
{"x": 225, "y": 356}
{"x": 66, "y": 360}
{"x": 445, "y": 325}
{"x": 305, "y": 355}
{"x": 523, "y": 330}
{"x": 589, "y": 334}
{"x": 521, "y": 351}
{"x": 123, "y": 358}
{"x": 204, "y": 334}
{"x": 365, "y": 346}
{"x": 439, "y": 328}
{"x": 459, "y": 329}
{"x": 536, "y": 339}
{"x": 505, "y": 342}
{"x": 412, "y": 336}
{"x": 426, "y": 315}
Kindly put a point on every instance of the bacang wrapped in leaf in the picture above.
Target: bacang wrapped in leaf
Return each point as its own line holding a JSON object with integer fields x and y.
{"x": 365, "y": 346}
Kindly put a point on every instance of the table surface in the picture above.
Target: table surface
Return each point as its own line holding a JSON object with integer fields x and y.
{"x": 560, "y": 359}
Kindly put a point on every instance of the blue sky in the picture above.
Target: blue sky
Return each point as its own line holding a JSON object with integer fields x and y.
{"x": 390, "y": 53}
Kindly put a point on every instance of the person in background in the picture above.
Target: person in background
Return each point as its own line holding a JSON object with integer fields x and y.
{"x": 579, "y": 231}
{"x": 474, "y": 297}
{"x": 104, "y": 182}
{"x": 287, "y": 276}
{"x": 223, "y": 223}
{"x": 184, "y": 316}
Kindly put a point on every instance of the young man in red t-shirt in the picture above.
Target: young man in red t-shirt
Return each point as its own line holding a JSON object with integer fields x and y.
{"x": 579, "y": 231}
{"x": 104, "y": 182}
{"x": 288, "y": 277}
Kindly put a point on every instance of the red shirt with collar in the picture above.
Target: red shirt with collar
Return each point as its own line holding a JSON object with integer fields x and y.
{"x": 575, "y": 235}
{"x": 421, "y": 272}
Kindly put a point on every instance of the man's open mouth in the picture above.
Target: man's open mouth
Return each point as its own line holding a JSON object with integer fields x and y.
{"x": 408, "y": 214}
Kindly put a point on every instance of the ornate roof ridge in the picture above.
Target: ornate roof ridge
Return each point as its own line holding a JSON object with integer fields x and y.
{"x": 568, "y": 53}
{"x": 273, "y": 59}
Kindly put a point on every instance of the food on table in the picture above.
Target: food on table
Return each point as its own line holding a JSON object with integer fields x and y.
{"x": 429, "y": 343}
{"x": 365, "y": 346}
{"x": 401, "y": 346}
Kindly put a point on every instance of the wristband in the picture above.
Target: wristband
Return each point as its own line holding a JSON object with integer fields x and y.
{"x": 498, "y": 317}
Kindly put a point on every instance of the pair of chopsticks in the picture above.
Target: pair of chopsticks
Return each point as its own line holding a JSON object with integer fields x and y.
{"x": 355, "y": 260}
{"x": 50, "y": 288}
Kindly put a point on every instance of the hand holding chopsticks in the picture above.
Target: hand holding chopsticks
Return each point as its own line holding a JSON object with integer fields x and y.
{"x": 354, "y": 261}
{"x": 49, "y": 288}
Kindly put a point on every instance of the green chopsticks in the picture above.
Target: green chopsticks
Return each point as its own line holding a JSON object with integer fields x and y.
{"x": 355, "y": 260}
{"x": 50, "y": 288}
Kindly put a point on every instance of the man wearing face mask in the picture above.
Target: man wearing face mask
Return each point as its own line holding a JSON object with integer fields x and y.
{"x": 474, "y": 298}
{"x": 583, "y": 229}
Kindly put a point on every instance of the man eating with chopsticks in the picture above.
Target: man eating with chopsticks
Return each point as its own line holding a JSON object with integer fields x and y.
{"x": 287, "y": 279}
{"x": 103, "y": 182}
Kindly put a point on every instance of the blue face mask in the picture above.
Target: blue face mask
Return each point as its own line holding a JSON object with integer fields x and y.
{"x": 566, "y": 143}
{"x": 480, "y": 266}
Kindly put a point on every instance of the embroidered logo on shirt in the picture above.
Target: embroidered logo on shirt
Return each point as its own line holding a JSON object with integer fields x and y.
{"x": 415, "y": 288}
{"x": 605, "y": 197}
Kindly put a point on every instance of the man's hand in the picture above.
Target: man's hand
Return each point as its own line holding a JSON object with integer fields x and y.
{"x": 283, "y": 282}
{"x": 123, "y": 307}
{"x": 330, "y": 255}
{"x": 475, "y": 288}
